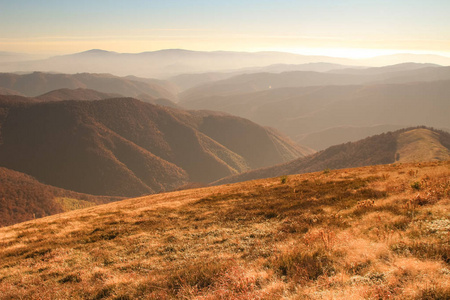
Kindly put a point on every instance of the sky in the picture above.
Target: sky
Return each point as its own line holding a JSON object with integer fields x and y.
{"x": 346, "y": 28}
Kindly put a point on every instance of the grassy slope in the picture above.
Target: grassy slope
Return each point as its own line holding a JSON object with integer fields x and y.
{"x": 421, "y": 145}
{"x": 410, "y": 145}
{"x": 349, "y": 234}
{"x": 23, "y": 198}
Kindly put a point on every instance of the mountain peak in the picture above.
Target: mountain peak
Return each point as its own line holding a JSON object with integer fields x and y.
{"x": 95, "y": 52}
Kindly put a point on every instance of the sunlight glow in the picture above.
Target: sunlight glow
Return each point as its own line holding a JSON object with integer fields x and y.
{"x": 355, "y": 53}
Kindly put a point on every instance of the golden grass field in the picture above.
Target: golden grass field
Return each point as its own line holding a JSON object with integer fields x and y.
{"x": 380, "y": 232}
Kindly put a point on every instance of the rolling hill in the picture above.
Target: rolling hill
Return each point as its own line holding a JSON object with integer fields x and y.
{"x": 408, "y": 67}
{"x": 406, "y": 145}
{"x": 75, "y": 94}
{"x": 124, "y": 147}
{"x": 298, "y": 111}
{"x": 248, "y": 83}
{"x": 5, "y": 91}
{"x": 254, "y": 82}
{"x": 83, "y": 94}
{"x": 38, "y": 83}
{"x": 16, "y": 99}
{"x": 24, "y": 198}
{"x": 377, "y": 232}
{"x": 187, "y": 81}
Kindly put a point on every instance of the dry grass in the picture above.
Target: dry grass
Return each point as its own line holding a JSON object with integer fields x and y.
{"x": 348, "y": 234}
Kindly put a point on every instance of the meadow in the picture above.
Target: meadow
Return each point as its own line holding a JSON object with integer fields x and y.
{"x": 379, "y": 232}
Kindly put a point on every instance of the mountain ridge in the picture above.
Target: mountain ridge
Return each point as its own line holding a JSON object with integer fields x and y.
{"x": 171, "y": 62}
{"x": 416, "y": 144}
{"x": 38, "y": 83}
{"x": 298, "y": 111}
{"x": 125, "y": 147}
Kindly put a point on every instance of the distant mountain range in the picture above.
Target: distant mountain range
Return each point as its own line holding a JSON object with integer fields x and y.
{"x": 14, "y": 57}
{"x": 78, "y": 94}
{"x": 316, "y": 109}
{"x": 38, "y": 83}
{"x": 172, "y": 62}
{"x": 254, "y": 82}
{"x": 406, "y": 145}
{"x": 307, "y": 105}
{"x": 125, "y": 147}
{"x": 186, "y": 81}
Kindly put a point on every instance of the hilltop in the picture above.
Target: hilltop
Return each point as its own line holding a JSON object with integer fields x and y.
{"x": 80, "y": 94}
{"x": 405, "y": 145}
{"x": 125, "y": 147}
{"x": 75, "y": 94}
{"x": 377, "y": 232}
{"x": 5, "y": 91}
{"x": 38, "y": 83}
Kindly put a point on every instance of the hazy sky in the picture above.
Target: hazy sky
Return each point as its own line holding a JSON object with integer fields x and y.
{"x": 331, "y": 27}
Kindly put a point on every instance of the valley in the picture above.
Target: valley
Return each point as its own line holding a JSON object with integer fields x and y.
{"x": 102, "y": 134}
{"x": 216, "y": 150}
{"x": 284, "y": 181}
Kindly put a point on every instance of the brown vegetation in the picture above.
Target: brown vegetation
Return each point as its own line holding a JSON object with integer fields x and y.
{"x": 23, "y": 198}
{"x": 75, "y": 94}
{"x": 349, "y": 234}
{"x": 405, "y": 145}
{"x": 124, "y": 147}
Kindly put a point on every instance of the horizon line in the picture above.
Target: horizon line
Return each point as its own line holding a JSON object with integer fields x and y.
{"x": 300, "y": 52}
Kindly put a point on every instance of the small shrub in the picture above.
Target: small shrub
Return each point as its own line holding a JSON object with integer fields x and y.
{"x": 433, "y": 293}
{"x": 271, "y": 215}
{"x": 413, "y": 173}
{"x": 283, "y": 179}
{"x": 423, "y": 250}
{"x": 71, "y": 278}
{"x": 299, "y": 265}
{"x": 235, "y": 284}
{"x": 381, "y": 292}
{"x": 365, "y": 204}
{"x": 324, "y": 237}
{"x": 103, "y": 293}
{"x": 416, "y": 185}
{"x": 200, "y": 275}
{"x": 427, "y": 250}
{"x": 37, "y": 253}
